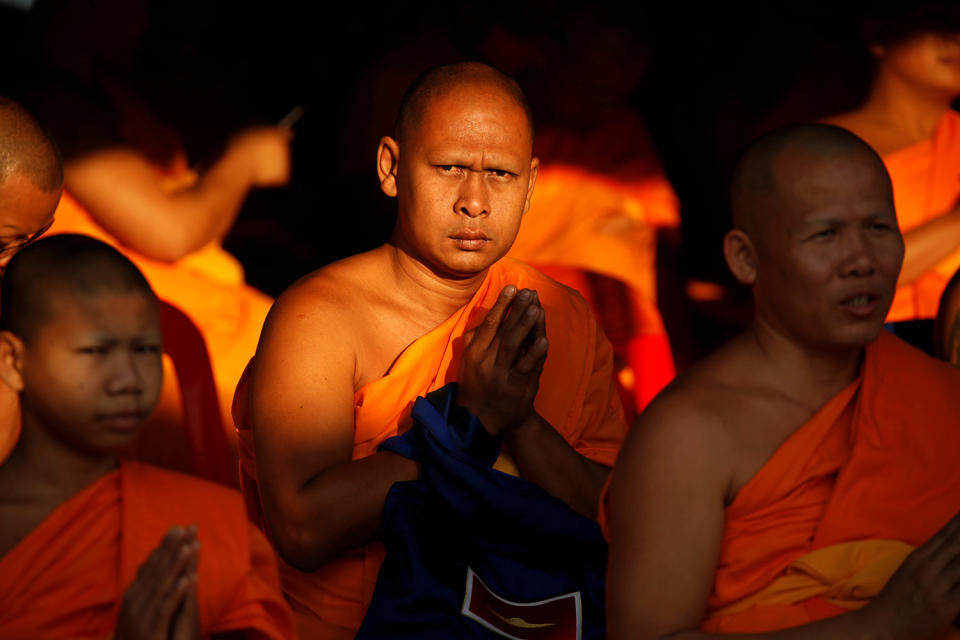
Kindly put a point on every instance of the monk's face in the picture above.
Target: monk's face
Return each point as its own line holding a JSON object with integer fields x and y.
{"x": 26, "y": 211}
{"x": 829, "y": 251}
{"x": 464, "y": 181}
{"x": 92, "y": 372}
{"x": 929, "y": 61}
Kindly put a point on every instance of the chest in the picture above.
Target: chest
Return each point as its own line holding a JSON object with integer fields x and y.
{"x": 17, "y": 520}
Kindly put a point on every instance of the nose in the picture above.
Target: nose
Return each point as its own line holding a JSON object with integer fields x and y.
{"x": 472, "y": 199}
{"x": 126, "y": 378}
{"x": 859, "y": 255}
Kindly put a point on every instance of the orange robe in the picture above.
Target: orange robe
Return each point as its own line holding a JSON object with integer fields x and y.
{"x": 207, "y": 286}
{"x": 576, "y": 396}
{"x": 926, "y": 184}
{"x": 835, "y": 510}
{"x": 65, "y": 579}
{"x": 596, "y": 210}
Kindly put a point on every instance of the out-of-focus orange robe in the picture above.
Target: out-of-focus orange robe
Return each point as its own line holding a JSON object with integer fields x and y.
{"x": 207, "y": 286}
{"x": 829, "y": 518}
{"x": 66, "y": 577}
{"x": 603, "y": 218}
{"x": 926, "y": 184}
{"x": 576, "y": 396}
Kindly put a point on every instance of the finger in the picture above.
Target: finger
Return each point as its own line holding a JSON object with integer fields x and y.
{"x": 525, "y": 298}
{"x": 186, "y": 623}
{"x": 167, "y": 609}
{"x": 484, "y": 334}
{"x": 512, "y": 336}
{"x": 534, "y": 357}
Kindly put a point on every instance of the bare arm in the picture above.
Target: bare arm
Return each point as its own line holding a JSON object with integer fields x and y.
{"x": 666, "y": 527}
{"x": 499, "y": 378}
{"x": 928, "y": 244}
{"x": 123, "y": 193}
{"x": 317, "y": 501}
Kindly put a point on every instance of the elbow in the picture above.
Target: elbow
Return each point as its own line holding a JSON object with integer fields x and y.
{"x": 302, "y": 548}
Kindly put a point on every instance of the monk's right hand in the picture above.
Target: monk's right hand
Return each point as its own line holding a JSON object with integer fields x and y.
{"x": 923, "y": 597}
{"x": 266, "y": 153}
{"x": 501, "y": 364}
{"x": 158, "y": 591}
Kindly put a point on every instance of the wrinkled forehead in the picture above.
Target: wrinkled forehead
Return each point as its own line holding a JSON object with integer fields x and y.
{"x": 475, "y": 102}
{"x": 804, "y": 179}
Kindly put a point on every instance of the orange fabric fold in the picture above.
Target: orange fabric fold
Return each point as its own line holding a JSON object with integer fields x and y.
{"x": 576, "y": 396}
{"x": 876, "y": 463}
{"x": 66, "y": 577}
{"x": 207, "y": 286}
{"x": 926, "y": 184}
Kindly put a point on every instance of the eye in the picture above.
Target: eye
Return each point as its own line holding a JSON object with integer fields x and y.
{"x": 148, "y": 348}
{"x": 451, "y": 169}
{"x": 500, "y": 173}
{"x": 93, "y": 350}
{"x": 823, "y": 234}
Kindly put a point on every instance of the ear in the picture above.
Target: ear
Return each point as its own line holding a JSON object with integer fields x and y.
{"x": 11, "y": 360}
{"x": 531, "y": 182}
{"x": 741, "y": 256}
{"x": 388, "y": 160}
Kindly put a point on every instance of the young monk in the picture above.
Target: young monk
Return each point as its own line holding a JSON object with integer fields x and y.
{"x": 347, "y": 349}
{"x": 907, "y": 118}
{"x": 783, "y": 480}
{"x": 31, "y": 181}
{"x": 90, "y": 546}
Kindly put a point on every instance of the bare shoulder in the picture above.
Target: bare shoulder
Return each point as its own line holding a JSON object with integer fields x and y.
{"x": 327, "y": 303}
{"x": 686, "y": 424}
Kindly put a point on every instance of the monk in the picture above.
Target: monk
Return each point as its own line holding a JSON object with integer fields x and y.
{"x": 92, "y": 547}
{"x": 31, "y": 181}
{"x": 781, "y": 481}
{"x": 170, "y": 221}
{"x": 347, "y": 349}
{"x": 907, "y": 118}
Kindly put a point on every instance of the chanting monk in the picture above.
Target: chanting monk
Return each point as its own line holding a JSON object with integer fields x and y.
{"x": 31, "y": 180}
{"x": 91, "y": 547}
{"x": 783, "y": 480}
{"x": 347, "y": 350}
{"x": 907, "y": 118}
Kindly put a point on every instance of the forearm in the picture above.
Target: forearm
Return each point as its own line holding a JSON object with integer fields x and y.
{"x": 545, "y": 458}
{"x": 928, "y": 244}
{"x": 338, "y": 509}
{"x": 123, "y": 193}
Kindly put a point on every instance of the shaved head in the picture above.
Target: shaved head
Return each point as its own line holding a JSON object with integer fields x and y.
{"x": 757, "y": 187}
{"x": 439, "y": 81}
{"x": 63, "y": 265}
{"x": 26, "y": 148}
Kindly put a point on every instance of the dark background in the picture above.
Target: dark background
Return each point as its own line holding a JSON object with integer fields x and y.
{"x": 705, "y": 80}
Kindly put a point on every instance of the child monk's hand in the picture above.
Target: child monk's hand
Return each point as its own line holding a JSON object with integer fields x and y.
{"x": 158, "y": 596}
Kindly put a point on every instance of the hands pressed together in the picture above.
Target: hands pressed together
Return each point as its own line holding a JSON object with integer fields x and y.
{"x": 923, "y": 596}
{"x": 161, "y": 602}
{"x": 502, "y": 361}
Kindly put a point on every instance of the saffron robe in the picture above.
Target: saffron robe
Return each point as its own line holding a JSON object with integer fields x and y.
{"x": 208, "y": 287}
{"x": 926, "y": 184}
{"x": 576, "y": 396}
{"x": 839, "y": 505}
{"x": 66, "y": 578}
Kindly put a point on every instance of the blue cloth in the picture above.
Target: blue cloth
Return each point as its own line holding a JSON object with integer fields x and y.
{"x": 524, "y": 544}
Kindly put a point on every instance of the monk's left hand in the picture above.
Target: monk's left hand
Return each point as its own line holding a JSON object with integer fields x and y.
{"x": 501, "y": 364}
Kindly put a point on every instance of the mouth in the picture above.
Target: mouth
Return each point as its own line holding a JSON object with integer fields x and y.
{"x": 469, "y": 240}
{"x": 861, "y": 305}
{"x": 122, "y": 420}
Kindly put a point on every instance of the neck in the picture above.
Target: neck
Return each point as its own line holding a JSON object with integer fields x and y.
{"x": 438, "y": 295}
{"x": 815, "y": 375}
{"x": 907, "y": 107}
{"x": 47, "y": 467}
